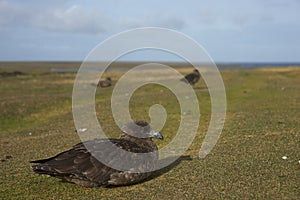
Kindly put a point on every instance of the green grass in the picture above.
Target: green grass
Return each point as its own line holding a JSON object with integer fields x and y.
{"x": 262, "y": 125}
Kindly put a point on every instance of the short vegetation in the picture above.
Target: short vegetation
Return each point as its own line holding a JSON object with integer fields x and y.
{"x": 262, "y": 126}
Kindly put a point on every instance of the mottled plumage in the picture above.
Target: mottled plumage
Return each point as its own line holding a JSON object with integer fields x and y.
{"x": 192, "y": 78}
{"x": 105, "y": 83}
{"x": 79, "y": 166}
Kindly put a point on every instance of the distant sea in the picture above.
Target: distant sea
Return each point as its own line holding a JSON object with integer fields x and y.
{"x": 66, "y": 66}
{"x": 255, "y": 65}
{"x": 221, "y": 66}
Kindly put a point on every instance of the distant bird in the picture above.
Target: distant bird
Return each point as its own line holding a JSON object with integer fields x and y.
{"x": 105, "y": 83}
{"x": 79, "y": 166}
{"x": 191, "y": 78}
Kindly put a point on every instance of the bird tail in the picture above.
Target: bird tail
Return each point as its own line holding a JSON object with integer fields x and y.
{"x": 44, "y": 169}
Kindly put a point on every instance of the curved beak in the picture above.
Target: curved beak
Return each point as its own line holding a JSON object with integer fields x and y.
{"x": 157, "y": 135}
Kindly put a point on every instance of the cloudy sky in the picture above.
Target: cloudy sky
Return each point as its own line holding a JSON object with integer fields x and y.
{"x": 229, "y": 30}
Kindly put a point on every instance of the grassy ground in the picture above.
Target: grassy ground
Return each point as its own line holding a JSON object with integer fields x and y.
{"x": 262, "y": 125}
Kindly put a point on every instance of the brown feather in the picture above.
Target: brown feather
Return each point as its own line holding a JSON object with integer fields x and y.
{"x": 79, "y": 166}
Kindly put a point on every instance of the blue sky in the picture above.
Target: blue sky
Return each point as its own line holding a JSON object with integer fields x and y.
{"x": 230, "y": 31}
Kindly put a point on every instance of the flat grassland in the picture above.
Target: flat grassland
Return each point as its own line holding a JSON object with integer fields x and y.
{"x": 262, "y": 126}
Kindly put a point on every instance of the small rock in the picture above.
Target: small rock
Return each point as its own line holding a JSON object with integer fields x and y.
{"x": 81, "y": 130}
{"x": 284, "y": 157}
{"x": 187, "y": 112}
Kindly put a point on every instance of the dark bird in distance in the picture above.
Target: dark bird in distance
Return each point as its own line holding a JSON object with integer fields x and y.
{"x": 80, "y": 166}
{"x": 191, "y": 78}
{"x": 104, "y": 83}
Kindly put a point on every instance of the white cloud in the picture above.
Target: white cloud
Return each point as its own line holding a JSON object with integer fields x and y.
{"x": 11, "y": 13}
{"x": 78, "y": 19}
{"x": 218, "y": 24}
{"x": 74, "y": 18}
{"x": 172, "y": 22}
